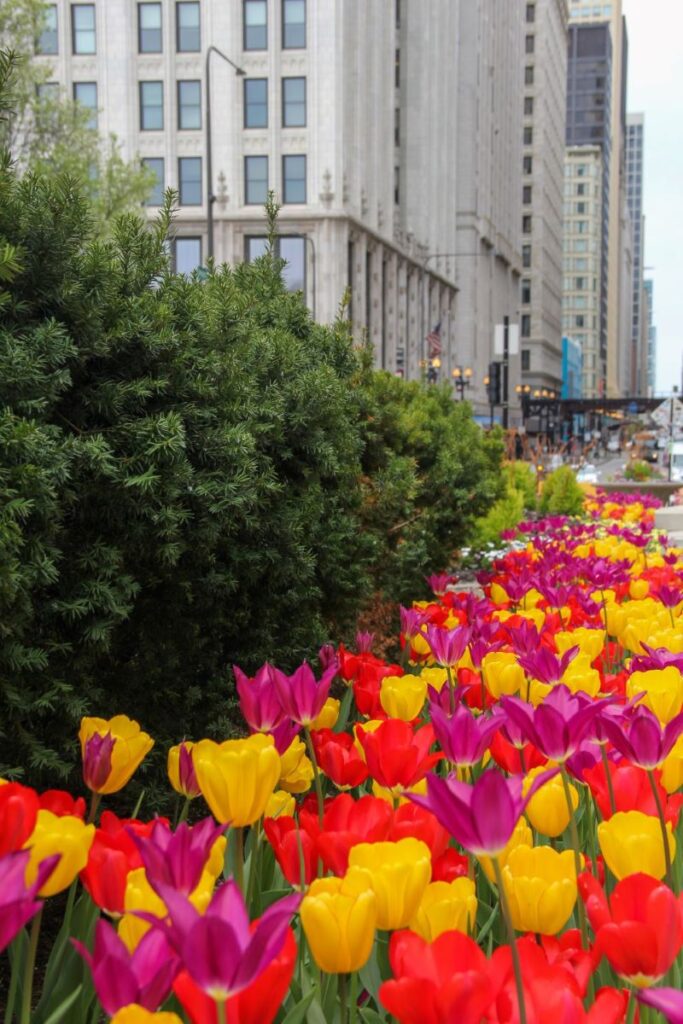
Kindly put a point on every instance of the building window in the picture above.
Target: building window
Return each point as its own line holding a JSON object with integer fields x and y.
{"x": 294, "y": 179}
{"x": 85, "y": 93}
{"x": 525, "y": 329}
{"x": 190, "y": 180}
{"x": 293, "y": 102}
{"x": 83, "y": 28}
{"x": 528, "y": 136}
{"x": 255, "y": 25}
{"x": 531, "y": 12}
{"x": 47, "y": 92}
{"x": 527, "y": 164}
{"x": 256, "y": 246}
{"x": 397, "y": 68}
{"x": 291, "y": 249}
{"x": 397, "y": 185}
{"x": 48, "y": 40}
{"x": 255, "y": 179}
{"x": 526, "y": 256}
{"x": 151, "y": 106}
{"x": 293, "y": 24}
{"x": 526, "y": 194}
{"x": 529, "y": 44}
{"x": 187, "y": 253}
{"x": 149, "y": 28}
{"x": 188, "y": 38}
{"x": 526, "y": 360}
{"x": 526, "y": 224}
{"x": 529, "y": 75}
{"x": 580, "y": 320}
{"x": 189, "y": 105}
{"x": 156, "y": 165}
{"x": 397, "y": 126}
{"x": 580, "y": 284}
{"x": 528, "y": 105}
{"x": 255, "y": 102}
{"x": 526, "y": 291}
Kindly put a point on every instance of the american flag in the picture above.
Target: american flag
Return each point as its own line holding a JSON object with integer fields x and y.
{"x": 433, "y": 339}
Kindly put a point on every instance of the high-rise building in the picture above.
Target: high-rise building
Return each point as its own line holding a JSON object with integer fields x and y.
{"x": 649, "y": 320}
{"x": 339, "y": 106}
{"x": 492, "y": 41}
{"x": 635, "y": 131}
{"x": 544, "y": 112}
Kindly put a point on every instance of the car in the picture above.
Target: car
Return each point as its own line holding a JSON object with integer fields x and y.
{"x": 588, "y": 474}
{"x": 613, "y": 445}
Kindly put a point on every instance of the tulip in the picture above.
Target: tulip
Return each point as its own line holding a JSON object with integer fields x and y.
{"x": 661, "y": 689}
{"x": 397, "y": 757}
{"x": 302, "y": 696}
{"x": 65, "y": 835}
{"x": 280, "y": 803}
{"x": 259, "y": 701}
{"x": 121, "y": 978}
{"x": 60, "y": 803}
{"x": 590, "y": 641}
{"x": 449, "y": 866}
{"x": 411, "y": 820}
{"x": 339, "y": 759}
{"x": 18, "y": 902}
{"x": 559, "y": 725}
{"x": 631, "y": 842}
{"x": 398, "y": 873}
{"x": 444, "y": 907}
{"x": 296, "y": 770}
{"x": 403, "y": 696}
{"x": 462, "y": 736}
{"x": 448, "y": 645}
{"x": 502, "y": 673}
{"x": 521, "y": 836}
{"x": 292, "y": 847}
{"x": 339, "y": 918}
{"x": 669, "y": 1002}
{"x": 237, "y": 777}
{"x": 547, "y": 810}
{"x": 19, "y": 807}
{"x": 111, "y": 858}
{"x": 327, "y": 719}
{"x": 178, "y": 859}
{"x": 346, "y": 823}
{"x": 136, "y": 1014}
{"x": 540, "y": 885}
{"x": 181, "y": 771}
{"x": 111, "y": 751}
{"x": 640, "y": 930}
{"x": 632, "y": 790}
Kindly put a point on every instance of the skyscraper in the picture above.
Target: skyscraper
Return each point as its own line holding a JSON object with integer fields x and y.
{"x": 635, "y": 132}
{"x": 649, "y": 318}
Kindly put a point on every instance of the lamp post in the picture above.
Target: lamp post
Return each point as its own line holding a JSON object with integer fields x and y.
{"x": 210, "y": 197}
{"x": 524, "y": 391}
{"x": 433, "y": 371}
{"x": 462, "y": 379}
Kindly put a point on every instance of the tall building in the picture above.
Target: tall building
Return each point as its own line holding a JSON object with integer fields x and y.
{"x": 584, "y": 13}
{"x": 649, "y": 319}
{"x": 635, "y": 132}
{"x": 341, "y": 107}
{"x": 544, "y": 112}
{"x": 492, "y": 41}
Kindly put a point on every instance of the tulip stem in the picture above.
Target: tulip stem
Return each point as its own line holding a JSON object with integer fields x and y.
{"x": 451, "y": 688}
{"x": 573, "y": 831}
{"x": 608, "y": 776}
{"x": 183, "y": 811}
{"x": 517, "y": 967}
{"x": 353, "y": 998}
{"x": 14, "y": 983}
{"x": 29, "y": 969}
{"x": 239, "y": 858}
{"x": 316, "y": 775}
{"x": 343, "y": 999}
{"x": 253, "y": 865}
{"x": 662, "y": 825}
{"x": 220, "y": 1007}
{"x": 94, "y": 806}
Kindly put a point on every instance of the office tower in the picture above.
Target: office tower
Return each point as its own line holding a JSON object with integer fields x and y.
{"x": 649, "y": 321}
{"x": 635, "y": 132}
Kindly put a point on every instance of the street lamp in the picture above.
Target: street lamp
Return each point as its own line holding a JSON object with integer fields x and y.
{"x": 462, "y": 379}
{"x": 433, "y": 371}
{"x": 210, "y": 197}
{"x": 524, "y": 392}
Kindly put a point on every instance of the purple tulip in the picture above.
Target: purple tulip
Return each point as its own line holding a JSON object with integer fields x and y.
{"x": 327, "y": 656}
{"x": 364, "y": 642}
{"x": 259, "y": 699}
{"x": 640, "y": 738}
{"x": 668, "y": 1001}
{"x": 670, "y": 596}
{"x": 462, "y": 736}
{"x": 97, "y": 760}
{"x": 525, "y": 638}
{"x": 283, "y": 735}
{"x": 177, "y": 858}
{"x": 18, "y": 902}
{"x": 559, "y": 724}
{"x": 187, "y": 776}
{"x": 546, "y": 666}
{"x": 440, "y": 582}
{"x": 219, "y": 949}
{"x": 448, "y": 645}
{"x": 301, "y": 695}
{"x": 120, "y": 978}
{"x": 412, "y": 621}
{"x": 656, "y": 658}
{"x": 481, "y": 817}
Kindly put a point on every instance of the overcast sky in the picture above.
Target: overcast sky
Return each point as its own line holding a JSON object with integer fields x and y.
{"x": 655, "y": 88}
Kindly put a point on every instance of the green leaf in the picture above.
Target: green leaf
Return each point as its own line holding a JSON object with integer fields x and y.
{"x": 371, "y": 1016}
{"x": 59, "y": 1013}
{"x": 298, "y": 1013}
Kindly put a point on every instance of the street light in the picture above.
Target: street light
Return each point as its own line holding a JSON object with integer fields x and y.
{"x": 210, "y": 197}
{"x": 462, "y": 379}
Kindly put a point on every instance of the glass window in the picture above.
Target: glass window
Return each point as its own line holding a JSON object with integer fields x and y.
{"x": 526, "y": 360}
{"x": 255, "y": 102}
{"x": 528, "y": 136}
{"x": 527, "y": 164}
{"x": 155, "y": 164}
{"x": 255, "y": 25}
{"x": 149, "y": 28}
{"x": 525, "y": 329}
{"x": 293, "y": 251}
{"x": 293, "y": 102}
{"x": 187, "y": 27}
{"x": 256, "y": 247}
{"x": 151, "y": 106}
{"x": 83, "y": 28}
{"x": 85, "y": 93}
{"x": 293, "y": 24}
{"x": 190, "y": 180}
{"x": 48, "y": 92}
{"x": 189, "y": 105}
{"x": 529, "y": 75}
{"x": 294, "y": 179}
{"x": 529, "y": 44}
{"x": 528, "y": 105}
{"x": 255, "y": 179}
{"x": 526, "y": 256}
{"x": 531, "y": 12}
{"x": 526, "y": 224}
{"x": 526, "y": 194}
{"x": 526, "y": 292}
{"x": 48, "y": 40}
{"x": 187, "y": 255}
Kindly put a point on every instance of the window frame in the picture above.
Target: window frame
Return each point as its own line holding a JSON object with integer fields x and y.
{"x": 74, "y": 31}
{"x": 186, "y": 238}
{"x": 181, "y": 4}
{"x": 157, "y": 4}
{"x": 94, "y": 110}
{"x": 285, "y": 158}
{"x": 246, "y": 105}
{"x": 253, "y": 49}
{"x": 249, "y": 157}
{"x": 298, "y": 124}
{"x": 146, "y": 161}
{"x": 200, "y": 179}
{"x": 53, "y": 10}
{"x": 142, "y": 106}
{"x": 298, "y": 46}
{"x": 180, "y": 106}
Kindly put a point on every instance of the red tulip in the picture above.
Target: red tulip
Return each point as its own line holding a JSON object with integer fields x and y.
{"x": 449, "y": 865}
{"x": 632, "y": 791}
{"x": 292, "y": 844}
{"x": 640, "y": 930}
{"x": 256, "y": 1004}
{"x": 397, "y": 757}
{"x": 411, "y": 820}
{"x": 346, "y": 823}
{"x": 62, "y": 803}
{"x": 339, "y": 759}
{"x": 18, "y": 812}
{"x": 113, "y": 855}
{"x": 508, "y": 757}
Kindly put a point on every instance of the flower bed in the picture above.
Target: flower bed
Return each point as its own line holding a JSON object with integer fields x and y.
{"x": 487, "y": 831}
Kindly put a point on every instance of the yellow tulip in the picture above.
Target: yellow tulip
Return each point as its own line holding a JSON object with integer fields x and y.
{"x": 662, "y": 691}
{"x": 66, "y": 835}
{"x": 521, "y": 836}
{"x": 398, "y": 873}
{"x": 403, "y": 696}
{"x": 181, "y": 784}
{"x": 498, "y": 594}
{"x": 237, "y": 778}
{"x": 130, "y": 748}
{"x": 589, "y": 641}
{"x": 547, "y": 810}
{"x": 136, "y": 1014}
{"x": 339, "y": 918}
{"x": 280, "y": 804}
{"x": 436, "y": 677}
{"x": 296, "y": 769}
{"x": 580, "y": 676}
{"x": 672, "y": 768}
{"x": 503, "y": 675}
{"x": 327, "y": 719}
{"x": 638, "y": 589}
{"x": 420, "y": 646}
{"x": 445, "y": 907}
{"x": 632, "y": 841}
{"x": 396, "y": 799}
{"x": 540, "y": 884}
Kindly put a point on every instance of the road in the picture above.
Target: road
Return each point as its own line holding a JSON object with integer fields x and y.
{"x": 610, "y": 469}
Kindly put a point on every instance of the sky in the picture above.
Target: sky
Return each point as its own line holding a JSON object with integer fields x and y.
{"x": 655, "y": 88}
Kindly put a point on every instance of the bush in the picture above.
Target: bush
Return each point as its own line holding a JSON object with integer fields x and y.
{"x": 521, "y": 477}
{"x": 638, "y": 470}
{"x": 562, "y": 494}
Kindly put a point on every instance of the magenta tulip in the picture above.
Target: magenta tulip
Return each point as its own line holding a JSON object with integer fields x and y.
{"x": 18, "y": 902}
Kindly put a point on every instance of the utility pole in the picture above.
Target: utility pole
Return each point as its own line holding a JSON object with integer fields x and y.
{"x": 506, "y": 368}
